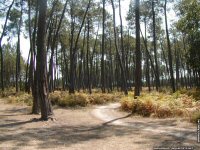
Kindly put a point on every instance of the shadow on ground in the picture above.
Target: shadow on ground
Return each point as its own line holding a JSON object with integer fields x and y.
{"x": 55, "y": 134}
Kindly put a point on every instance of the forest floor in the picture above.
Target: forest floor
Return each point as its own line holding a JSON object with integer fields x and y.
{"x": 92, "y": 128}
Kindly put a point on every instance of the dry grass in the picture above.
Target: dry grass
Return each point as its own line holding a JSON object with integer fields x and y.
{"x": 20, "y": 98}
{"x": 162, "y": 105}
{"x": 183, "y": 103}
{"x": 63, "y": 98}
{"x": 194, "y": 92}
{"x": 82, "y": 99}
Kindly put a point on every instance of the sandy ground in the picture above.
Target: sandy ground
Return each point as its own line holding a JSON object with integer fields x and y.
{"x": 91, "y": 128}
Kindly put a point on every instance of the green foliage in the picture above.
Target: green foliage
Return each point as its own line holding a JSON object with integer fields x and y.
{"x": 10, "y": 65}
{"x": 189, "y": 25}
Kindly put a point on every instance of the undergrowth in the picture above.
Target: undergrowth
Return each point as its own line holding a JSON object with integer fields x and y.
{"x": 19, "y": 98}
{"x": 163, "y": 105}
{"x": 183, "y": 103}
{"x": 64, "y": 99}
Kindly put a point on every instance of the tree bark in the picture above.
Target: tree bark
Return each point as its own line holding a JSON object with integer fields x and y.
{"x": 18, "y": 50}
{"x": 138, "y": 70}
{"x": 45, "y": 104}
{"x": 123, "y": 50}
{"x": 73, "y": 53}
{"x": 34, "y": 84}
{"x": 103, "y": 51}
{"x": 169, "y": 51}
{"x": 1, "y": 50}
{"x": 155, "y": 49}
{"x": 117, "y": 50}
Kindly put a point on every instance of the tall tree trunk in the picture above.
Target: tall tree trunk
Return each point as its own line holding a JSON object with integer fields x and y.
{"x": 81, "y": 74}
{"x": 155, "y": 49}
{"x": 18, "y": 50}
{"x": 54, "y": 42}
{"x": 117, "y": 49}
{"x": 73, "y": 53}
{"x": 169, "y": 51}
{"x": 72, "y": 74}
{"x": 34, "y": 84}
{"x": 87, "y": 56}
{"x": 103, "y": 51}
{"x": 45, "y": 104}
{"x": 122, "y": 49}
{"x": 92, "y": 72}
{"x": 147, "y": 57}
{"x": 27, "y": 76}
{"x": 138, "y": 69}
{"x": 1, "y": 50}
{"x": 177, "y": 55}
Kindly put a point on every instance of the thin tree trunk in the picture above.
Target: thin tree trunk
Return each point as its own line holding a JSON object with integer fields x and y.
{"x": 138, "y": 69}
{"x": 73, "y": 52}
{"x": 117, "y": 50}
{"x": 147, "y": 57}
{"x": 1, "y": 50}
{"x": 169, "y": 51}
{"x": 34, "y": 84}
{"x": 155, "y": 49}
{"x": 103, "y": 51}
{"x": 87, "y": 56}
{"x": 122, "y": 49}
{"x": 18, "y": 69}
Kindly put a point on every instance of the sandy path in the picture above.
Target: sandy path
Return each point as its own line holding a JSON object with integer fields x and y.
{"x": 81, "y": 129}
{"x": 109, "y": 114}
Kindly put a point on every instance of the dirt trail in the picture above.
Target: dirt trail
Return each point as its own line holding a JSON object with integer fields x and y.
{"x": 96, "y": 128}
{"x": 111, "y": 115}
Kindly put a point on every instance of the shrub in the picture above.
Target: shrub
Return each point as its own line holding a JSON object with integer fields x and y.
{"x": 97, "y": 98}
{"x": 55, "y": 97}
{"x": 194, "y": 117}
{"x": 194, "y": 93}
{"x": 144, "y": 108}
{"x": 127, "y": 104}
{"x": 74, "y": 100}
{"x": 164, "y": 112}
{"x": 21, "y": 98}
{"x": 160, "y": 105}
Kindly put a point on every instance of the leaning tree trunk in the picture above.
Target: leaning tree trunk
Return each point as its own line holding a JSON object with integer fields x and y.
{"x": 169, "y": 51}
{"x": 45, "y": 104}
{"x": 1, "y": 50}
